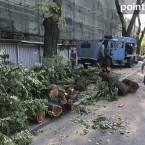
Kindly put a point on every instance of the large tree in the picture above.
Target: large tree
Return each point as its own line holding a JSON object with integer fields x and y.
{"x": 126, "y": 31}
{"x": 139, "y": 35}
{"x": 51, "y": 13}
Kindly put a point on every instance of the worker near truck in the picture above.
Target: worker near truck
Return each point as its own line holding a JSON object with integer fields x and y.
{"x": 73, "y": 58}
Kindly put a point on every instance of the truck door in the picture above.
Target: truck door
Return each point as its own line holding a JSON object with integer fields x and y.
{"x": 117, "y": 50}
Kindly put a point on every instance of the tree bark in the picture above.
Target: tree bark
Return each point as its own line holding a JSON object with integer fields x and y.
{"x": 127, "y": 31}
{"x": 113, "y": 81}
{"x": 133, "y": 86}
{"x": 55, "y": 109}
{"x": 132, "y": 21}
{"x": 51, "y": 32}
{"x": 137, "y": 35}
{"x": 121, "y": 16}
{"x": 40, "y": 117}
{"x": 140, "y": 41}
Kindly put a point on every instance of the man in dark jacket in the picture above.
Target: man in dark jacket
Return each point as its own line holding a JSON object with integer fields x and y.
{"x": 73, "y": 59}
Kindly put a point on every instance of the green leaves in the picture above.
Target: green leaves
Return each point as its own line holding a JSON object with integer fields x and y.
{"x": 45, "y": 9}
{"x": 22, "y": 96}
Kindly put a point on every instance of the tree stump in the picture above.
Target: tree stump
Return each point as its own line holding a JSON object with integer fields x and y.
{"x": 40, "y": 117}
{"x": 53, "y": 92}
{"x": 114, "y": 81}
{"x": 55, "y": 109}
{"x": 133, "y": 86}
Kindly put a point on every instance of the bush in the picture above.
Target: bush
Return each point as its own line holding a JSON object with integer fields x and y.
{"x": 141, "y": 57}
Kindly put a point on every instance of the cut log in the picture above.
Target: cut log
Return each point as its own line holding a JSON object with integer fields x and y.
{"x": 54, "y": 100}
{"x": 133, "y": 86}
{"x": 69, "y": 106}
{"x": 114, "y": 81}
{"x": 53, "y": 92}
{"x": 107, "y": 69}
{"x": 40, "y": 117}
{"x": 56, "y": 110}
{"x": 63, "y": 100}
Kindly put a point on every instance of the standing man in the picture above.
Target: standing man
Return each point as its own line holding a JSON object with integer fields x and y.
{"x": 73, "y": 58}
{"x": 142, "y": 69}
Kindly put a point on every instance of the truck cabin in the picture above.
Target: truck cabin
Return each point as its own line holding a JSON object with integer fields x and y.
{"x": 120, "y": 42}
{"x": 125, "y": 42}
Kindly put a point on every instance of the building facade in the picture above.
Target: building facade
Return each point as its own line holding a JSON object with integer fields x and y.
{"x": 90, "y": 19}
{"x": 21, "y": 29}
{"x": 82, "y": 19}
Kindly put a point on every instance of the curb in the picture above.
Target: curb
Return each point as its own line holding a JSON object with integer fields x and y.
{"x": 34, "y": 126}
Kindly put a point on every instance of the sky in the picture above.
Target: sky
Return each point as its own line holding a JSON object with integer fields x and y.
{"x": 142, "y": 18}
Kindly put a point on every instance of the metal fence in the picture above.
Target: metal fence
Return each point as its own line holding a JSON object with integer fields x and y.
{"x": 25, "y": 53}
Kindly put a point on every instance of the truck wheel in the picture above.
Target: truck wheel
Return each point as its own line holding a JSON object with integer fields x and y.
{"x": 131, "y": 62}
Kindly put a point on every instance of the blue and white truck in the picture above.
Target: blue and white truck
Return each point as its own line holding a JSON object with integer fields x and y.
{"x": 108, "y": 51}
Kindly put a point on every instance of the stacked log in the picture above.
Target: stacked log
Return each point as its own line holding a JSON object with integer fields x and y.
{"x": 56, "y": 110}
{"x": 133, "y": 86}
{"x": 114, "y": 81}
{"x": 59, "y": 102}
{"x": 37, "y": 118}
{"x": 40, "y": 117}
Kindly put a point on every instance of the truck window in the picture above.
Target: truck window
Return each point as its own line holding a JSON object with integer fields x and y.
{"x": 117, "y": 44}
{"x": 129, "y": 48}
{"x": 85, "y": 45}
{"x": 120, "y": 44}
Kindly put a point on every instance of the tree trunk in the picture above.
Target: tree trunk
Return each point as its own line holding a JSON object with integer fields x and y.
{"x": 133, "y": 86}
{"x": 137, "y": 35}
{"x": 127, "y": 32}
{"x": 40, "y": 117}
{"x": 121, "y": 16}
{"x": 132, "y": 21}
{"x": 55, "y": 109}
{"x": 113, "y": 81}
{"x": 140, "y": 41}
{"x": 69, "y": 106}
{"x": 51, "y": 33}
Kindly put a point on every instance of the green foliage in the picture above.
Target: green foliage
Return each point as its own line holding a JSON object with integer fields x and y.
{"x": 54, "y": 69}
{"x": 23, "y": 95}
{"x": 35, "y": 106}
{"x": 21, "y": 138}
{"x": 45, "y": 9}
{"x": 82, "y": 110}
{"x": 99, "y": 90}
{"x": 143, "y": 45}
{"x": 141, "y": 57}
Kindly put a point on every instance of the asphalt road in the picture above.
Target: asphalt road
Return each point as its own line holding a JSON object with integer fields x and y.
{"x": 128, "y": 112}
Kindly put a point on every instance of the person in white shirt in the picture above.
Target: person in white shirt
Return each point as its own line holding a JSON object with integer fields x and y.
{"x": 142, "y": 67}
